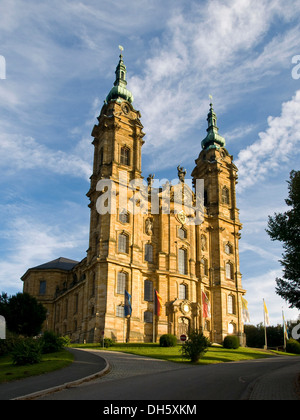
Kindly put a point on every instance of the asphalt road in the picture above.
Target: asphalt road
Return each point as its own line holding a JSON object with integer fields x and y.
{"x": 143, "y": 379}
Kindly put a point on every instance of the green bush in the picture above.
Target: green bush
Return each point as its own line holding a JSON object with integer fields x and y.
{"x": 51, "y": 342}
{"x": 26, "y": 351}
{"x": 108, "y": 342}
{"x": 167, "y": 340}
{"x": 231, "y": 342}
{"x": 195, "y": 347}
{"x": 293, "y": 346}
{"x": 66, "y": 341}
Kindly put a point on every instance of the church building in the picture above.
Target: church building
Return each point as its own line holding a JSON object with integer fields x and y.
{"x": 159, "y": 260}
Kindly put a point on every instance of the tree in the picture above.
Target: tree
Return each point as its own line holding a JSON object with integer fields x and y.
{"x": 285, "y": 227}
{"x": 195, "y": 347}
{"x": 23, "y": 314}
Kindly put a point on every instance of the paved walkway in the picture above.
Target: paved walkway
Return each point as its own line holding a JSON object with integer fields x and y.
{"x": 86, "y": 365}
{"x": 92, "y": 366}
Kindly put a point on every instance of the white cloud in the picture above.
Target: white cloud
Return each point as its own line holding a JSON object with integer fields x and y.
{"x": 223, "y": 48}
{"x": 263, "y": 287}
{"x": 30, "y": 242}
{"x": 19, "y": 153}
{"x": 274, "y": 146}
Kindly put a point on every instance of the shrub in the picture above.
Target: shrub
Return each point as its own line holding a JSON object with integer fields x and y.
{"x": 66, "y": 341}
{"x": 167, "y": 340}
{"x": 26, "y": 351}
{"x": 51, "y": 342}
{"x": 195, "y": 347}
{"x": 293, "y": 346}
{"x": 231, "y": 342}
{"x": 108, "y": 342}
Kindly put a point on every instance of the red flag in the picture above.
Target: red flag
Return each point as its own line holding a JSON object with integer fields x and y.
{"x": 157, "y": 303}
{"x": 204, "y": 305}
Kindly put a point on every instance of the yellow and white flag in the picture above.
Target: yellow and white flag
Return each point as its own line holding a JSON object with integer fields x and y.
{"x": 266, "y": 315}
{"x": 245, "y": 311}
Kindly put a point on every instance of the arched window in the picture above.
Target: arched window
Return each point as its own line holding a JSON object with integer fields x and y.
{"x": 229, "y": 270}
{"x": 182, "y": 234}
{"x": 124, "y": 217}
{"x": 182, "y": 261}
{"x": 125, "y": 156}
{"x": 225, "y": 195}
{"x": 148, "y": 252}
{"x": 182, "y": 291}
{"x": 148, "y": 290}
{"x": 123, "y": 243}
{"x": 205, "y": 266}
{"x": 122, "y": 282}
{"x": 228, "y": 248}
{"x": 230, "y": 304}
{"x": 231, "y": 328}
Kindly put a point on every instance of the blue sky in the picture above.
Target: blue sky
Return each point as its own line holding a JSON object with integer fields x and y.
{"x": 60, "y": 60}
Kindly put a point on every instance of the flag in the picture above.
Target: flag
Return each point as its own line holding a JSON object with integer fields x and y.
{"x": 285, "y": 328}
{"x": 157, "y": 303}
{"x": 205, "y": 305}
{"x": 127, "y": 307}
{"x": 266, "y": 314}
{"x": 245, "y": 312}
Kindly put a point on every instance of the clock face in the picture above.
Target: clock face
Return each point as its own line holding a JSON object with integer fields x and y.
{"x": 125, "y": 109}
{"x": 185, "y": 307}
{"x": 181, "y": 217}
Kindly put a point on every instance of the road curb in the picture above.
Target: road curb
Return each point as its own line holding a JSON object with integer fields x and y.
{"x": 66, "y": 385}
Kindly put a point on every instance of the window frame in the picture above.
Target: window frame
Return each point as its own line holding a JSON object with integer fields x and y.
{"x": 183, "y": 291}
{"x": 182, "y": 264}
{"x": 123, "y": 243}
{"x": 148, "y": 290}
{"x": 125, "y": 156}
{"x": 148, "y": 253}
{"x": 122, "y": 281}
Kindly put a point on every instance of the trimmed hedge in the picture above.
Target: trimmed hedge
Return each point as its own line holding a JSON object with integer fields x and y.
{"x": 167, "y": 340}
{"x": 231, "y": 342}
{"x": 293, "y": 346}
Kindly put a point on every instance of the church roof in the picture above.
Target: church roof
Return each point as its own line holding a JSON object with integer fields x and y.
{"x": 119, "y": 92}
{"x": 58, "y": 264}
{"x": 213, "y": 140}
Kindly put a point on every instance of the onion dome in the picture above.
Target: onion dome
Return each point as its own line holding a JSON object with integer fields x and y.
{"x": 119, "y": 92}
{"x": 213, "y": 140}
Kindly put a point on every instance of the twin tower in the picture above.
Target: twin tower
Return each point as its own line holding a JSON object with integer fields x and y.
{"x": 149, "y": 241}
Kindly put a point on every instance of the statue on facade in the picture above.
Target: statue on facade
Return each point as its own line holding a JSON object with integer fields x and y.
{"x": 181, "y": 173}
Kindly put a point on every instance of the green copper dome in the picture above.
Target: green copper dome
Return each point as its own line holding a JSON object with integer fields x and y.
{"x": 213, "y": 140}
{"x": 119, "y": 92}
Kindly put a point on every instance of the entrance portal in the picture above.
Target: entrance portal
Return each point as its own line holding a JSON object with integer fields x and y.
{"x": 183, "y": 326}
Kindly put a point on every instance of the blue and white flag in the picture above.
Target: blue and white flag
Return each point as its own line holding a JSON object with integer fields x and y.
{"x": 127, "y": 306}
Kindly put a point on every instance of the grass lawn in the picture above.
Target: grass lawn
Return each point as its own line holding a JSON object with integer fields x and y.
{"x": 215, "y": 354}
{"x": 50, "y": 362}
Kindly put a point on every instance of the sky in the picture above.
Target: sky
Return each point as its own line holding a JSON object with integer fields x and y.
{"x": 57, "y": 64}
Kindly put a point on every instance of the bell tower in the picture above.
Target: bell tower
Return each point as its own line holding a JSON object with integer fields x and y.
{"x": 221, "y": 276}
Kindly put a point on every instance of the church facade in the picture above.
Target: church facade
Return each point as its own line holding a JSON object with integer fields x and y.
{"x": 159, "y": 260}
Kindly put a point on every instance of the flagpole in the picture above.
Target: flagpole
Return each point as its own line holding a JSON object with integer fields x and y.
{"x": 153, "y": 318}
{"x": 266, "y": 344}
{"x": 284, "y": 333}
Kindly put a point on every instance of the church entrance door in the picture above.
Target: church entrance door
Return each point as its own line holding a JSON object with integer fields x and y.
{"x": 183, "y": 326}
